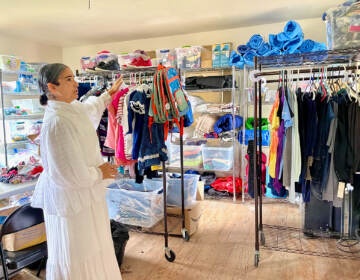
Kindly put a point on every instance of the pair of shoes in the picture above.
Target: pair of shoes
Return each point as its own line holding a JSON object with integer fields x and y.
{"x": 111, "y": 65}
{"x": 140, "y": 60}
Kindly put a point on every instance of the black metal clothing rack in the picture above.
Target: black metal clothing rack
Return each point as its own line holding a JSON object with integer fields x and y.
{"x": 336, "y": 62}
{"x": 128, "y": 73}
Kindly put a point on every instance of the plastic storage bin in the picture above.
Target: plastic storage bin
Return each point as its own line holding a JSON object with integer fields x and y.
{"x": 343, "y": 25}
{"x": 167, "y": 57}
{"x": 35, "y": 66}
{"x": 125, "y": 59}
{"x": 9, "y": 63}
{"x": 18, "y": 130}
{"x": 173, "y": 195}
{"x": 217, "y": 157}
{"x": 192, "y": 155}
{"x": 32, "y": 106}
{"x": 188, "y": 57}
{"x": 136, "y": 204}
{"x": 85, "y": 62}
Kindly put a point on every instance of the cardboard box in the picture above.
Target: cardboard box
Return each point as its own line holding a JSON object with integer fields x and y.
{"x": 221, "y": 54}
{"x": 200, "y": 191}
{"x": 192, "y": 219}
{"x": 5, "y": 212}
{"x": 206, "y": 58}
{"x": 25, "y": 238}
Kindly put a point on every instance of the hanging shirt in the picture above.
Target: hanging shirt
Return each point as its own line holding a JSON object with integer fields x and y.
{"x": 281, "y": 133}
{"x": 331, "y": 189}
{"x": 128, "y": 137}
{"x": 286, "y": 116}
{"x": 275, "y": 123}
{"x": 136, "y": 112}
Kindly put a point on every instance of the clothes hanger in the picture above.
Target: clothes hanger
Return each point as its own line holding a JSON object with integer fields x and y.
{"x": 322, "y": 87}
{"x": 309, "y": 85}
{"x": 348, "y": 85}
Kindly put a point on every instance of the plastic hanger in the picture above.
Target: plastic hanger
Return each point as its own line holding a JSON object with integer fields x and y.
{"x": 322, "y": 87}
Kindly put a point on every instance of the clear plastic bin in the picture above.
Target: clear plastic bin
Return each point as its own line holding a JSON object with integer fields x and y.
{"x": 125, "y": 59}
{"x": 9, "y": 63}
{"x": 18, "y": 130}
{"x": 188, "y": 57}
{"x": 217, "y": 157}
{"x": 343, "y": 25}
{"x": 136, "y": 204}
{"x": 192, "y": 155}
{"x": 173, "y": 195}
{"x": 33, "y": 106}
{"x": 167, "y": 57}
{"x": 85, "y": 62}
{"x": 35, "y": 66}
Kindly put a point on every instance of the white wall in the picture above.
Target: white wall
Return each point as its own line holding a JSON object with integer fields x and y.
{"x": 29, "y": 51}
{"x": 313, "y": 29}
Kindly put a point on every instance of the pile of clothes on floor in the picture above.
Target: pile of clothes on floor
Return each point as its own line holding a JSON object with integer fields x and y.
{"x": 218, "y": 187}
{"x": 290, "y": 41}
{"x": 24, "y": 171}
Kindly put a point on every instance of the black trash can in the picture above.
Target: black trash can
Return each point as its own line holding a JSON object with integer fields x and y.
{"x": 120, "y": 236}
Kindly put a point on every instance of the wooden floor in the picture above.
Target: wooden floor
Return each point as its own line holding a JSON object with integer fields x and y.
{"x": 223, "y": 248}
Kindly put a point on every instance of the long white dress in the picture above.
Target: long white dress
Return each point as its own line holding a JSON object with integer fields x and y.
{"x": 72, "y": 193}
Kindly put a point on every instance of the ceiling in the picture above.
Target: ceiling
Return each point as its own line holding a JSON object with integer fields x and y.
{"x": 70, "y": 22}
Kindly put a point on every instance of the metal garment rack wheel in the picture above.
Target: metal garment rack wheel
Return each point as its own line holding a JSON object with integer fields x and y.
{"x": 169, "y": 254}
{"x": 343, "y": 57}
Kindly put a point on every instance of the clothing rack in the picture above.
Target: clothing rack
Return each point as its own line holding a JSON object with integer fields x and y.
{"x": 130, "y": 73}
{"x": 340, "y": 61}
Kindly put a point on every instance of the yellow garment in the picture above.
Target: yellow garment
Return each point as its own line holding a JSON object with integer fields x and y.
{"x": 274, "y": 142}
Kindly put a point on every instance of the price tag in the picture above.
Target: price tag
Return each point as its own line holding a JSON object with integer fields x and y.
{"x": 341, "y": 189}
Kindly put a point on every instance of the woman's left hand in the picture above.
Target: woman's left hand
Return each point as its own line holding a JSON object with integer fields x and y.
{"x": 115, "y": 87}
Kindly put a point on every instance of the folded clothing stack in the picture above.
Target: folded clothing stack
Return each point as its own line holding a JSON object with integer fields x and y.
{"x": 290, "y": 41}
{"x": 211, "y": 82}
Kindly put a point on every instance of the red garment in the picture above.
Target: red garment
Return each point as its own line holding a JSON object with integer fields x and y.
{"x": 36, "y": 170}
{"x": 263, "y": 171}
{"x": 226, "y": 184}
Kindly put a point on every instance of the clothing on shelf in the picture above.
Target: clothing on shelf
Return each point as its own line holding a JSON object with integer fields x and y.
{"x": 24, "y": 171}
{"x": 225, "y": 123}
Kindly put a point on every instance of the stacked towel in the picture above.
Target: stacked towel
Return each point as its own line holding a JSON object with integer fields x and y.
{"x": 311, "y": 46}
{"x": 290, "y": 41}
{"x": 255, "y": 42}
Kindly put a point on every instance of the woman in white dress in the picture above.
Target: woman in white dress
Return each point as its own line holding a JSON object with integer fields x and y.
{"x": 71, "y": 189}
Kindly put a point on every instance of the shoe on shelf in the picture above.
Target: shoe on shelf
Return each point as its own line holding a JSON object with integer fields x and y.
{"x": 144, "y": 62}
{"x": 133, "y": 63}
{"x": 112, "y": 65}
{"x": 140, "y": 59}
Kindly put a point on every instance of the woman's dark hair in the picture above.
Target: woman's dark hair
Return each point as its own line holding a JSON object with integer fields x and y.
{"x": 49, "y": 73}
